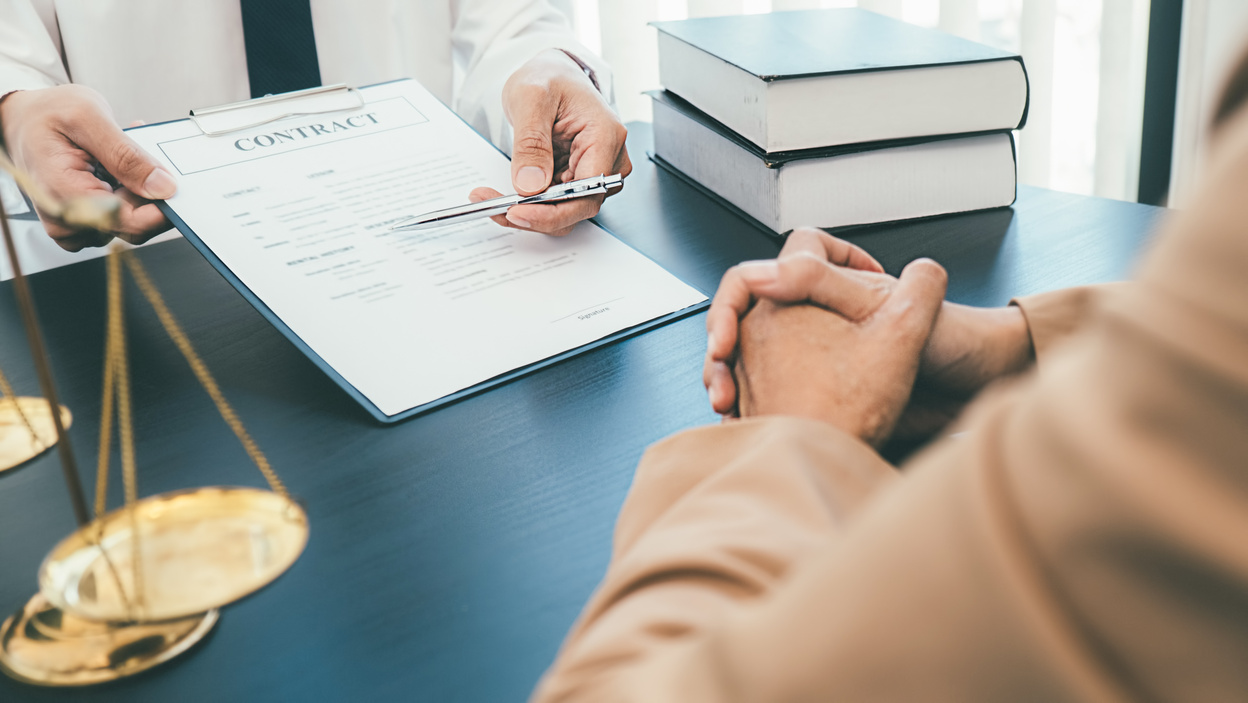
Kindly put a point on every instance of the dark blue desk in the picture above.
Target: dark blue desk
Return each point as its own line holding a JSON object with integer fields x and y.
{"x": 449, "y": 554}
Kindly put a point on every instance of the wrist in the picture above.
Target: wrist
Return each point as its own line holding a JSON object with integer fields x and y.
{"x": 1005, "y": 344}
{"x": 585, "y": 68}
{"x": 569, "y": 67}
{"x": 971, "y": 347}
{"x": 1017, "y": 353}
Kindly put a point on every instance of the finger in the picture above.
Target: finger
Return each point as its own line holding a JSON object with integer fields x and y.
{"x": 916, "y": 300}
{"x": 84, "y": 239}
{"x": 483, "y": 193}
{"x": 597, "y": 149}
{"x": 79, "y": 183}
{"x": 721, "y": 389}
{"x": 554, "y": 218}
{"x": 833, "y": 249}
{"x": 807, "y": 277}
{"x": 139, "y": 219}
{"x": 533, "y": 110}
{"x": 123, "y": 158}
{"x": 624, "y": 164}
{"x": 551, "y": 218}
{"x": 78, "y": 240}
{"x": 733, "y": 299}
{"x": 71, "y": 239}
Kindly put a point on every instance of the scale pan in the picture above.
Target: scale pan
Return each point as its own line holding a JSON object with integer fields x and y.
{"x": 199, "y": 549}
{"x": 16, "y": 445}
{"x": 49, "y": 647}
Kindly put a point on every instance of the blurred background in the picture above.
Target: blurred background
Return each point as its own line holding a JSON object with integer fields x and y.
{"x": 1121, "y": 90}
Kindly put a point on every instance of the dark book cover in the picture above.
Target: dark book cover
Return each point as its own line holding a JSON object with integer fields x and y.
{"x": 805, "y": 43}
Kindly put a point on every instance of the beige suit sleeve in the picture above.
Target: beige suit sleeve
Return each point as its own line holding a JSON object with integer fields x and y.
{"x": 1084, "y": 541}
{"x": 1054, "y": 316}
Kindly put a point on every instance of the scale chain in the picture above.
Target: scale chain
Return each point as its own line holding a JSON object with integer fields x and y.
{"x": 114, "y": 357}
{"x": 129, "y": 474}
{"x": 117, "y": 390}
{"x": 202, "y": 373}
{"x": 6, "y": 391}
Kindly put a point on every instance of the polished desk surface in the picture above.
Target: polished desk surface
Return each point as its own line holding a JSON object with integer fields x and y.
{"x": 449, "y": 554}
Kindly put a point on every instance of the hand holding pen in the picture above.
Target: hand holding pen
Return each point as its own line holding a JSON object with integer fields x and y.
{"x": 500, "y": 207}
{"x": 564, "y": 130}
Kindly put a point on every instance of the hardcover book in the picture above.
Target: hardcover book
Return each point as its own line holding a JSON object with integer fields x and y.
{"x": 836, "y": 186}
{"x": 798, "y": 80}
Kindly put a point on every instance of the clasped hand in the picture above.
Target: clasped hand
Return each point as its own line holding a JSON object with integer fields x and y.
{"x": 65, "y": 137}
{"x": 823, "y": 332}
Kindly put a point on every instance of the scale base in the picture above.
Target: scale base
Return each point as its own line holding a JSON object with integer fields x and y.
{"x": 16, "y": 445}
{"x": 44, "y": 646}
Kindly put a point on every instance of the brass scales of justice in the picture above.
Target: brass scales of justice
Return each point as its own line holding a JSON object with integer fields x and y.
{"x": 137, "y": 586}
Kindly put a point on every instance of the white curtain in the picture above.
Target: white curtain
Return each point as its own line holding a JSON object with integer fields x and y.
{"x": 1085, "y": 60}
{"x": 1213, "y": 40}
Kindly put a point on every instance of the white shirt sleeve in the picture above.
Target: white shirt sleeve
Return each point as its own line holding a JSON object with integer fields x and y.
{"x": 491, "y": 40}
{"x": 28, "y": 57}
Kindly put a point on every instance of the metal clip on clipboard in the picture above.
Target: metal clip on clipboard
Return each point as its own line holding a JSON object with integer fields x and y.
{"x": 224, "y": 119}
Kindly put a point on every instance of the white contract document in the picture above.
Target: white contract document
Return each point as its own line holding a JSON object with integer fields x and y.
{"x": 296, "y": 213}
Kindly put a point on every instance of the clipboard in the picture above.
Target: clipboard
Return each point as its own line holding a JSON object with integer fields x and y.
{"x": 220, "y": 120}
{"x": 225, "y": 119}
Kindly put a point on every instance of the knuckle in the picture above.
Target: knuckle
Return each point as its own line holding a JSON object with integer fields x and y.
{"x": 126, "y": 158}
{"x": 536, "y": 216}
{"x": 800, "y": 240}
{"x": 77, "y": 101}
{"x": 530, "y": 92}
{"x": 73, "y": 114}
{"x": 80, "y": 91}
{"x": 932, "y": 270}
{"x": 534, "y": 142}
{"x": 732, "y": 279}
{"x": 564, "y": 84}
{"x": 806, "y": 267}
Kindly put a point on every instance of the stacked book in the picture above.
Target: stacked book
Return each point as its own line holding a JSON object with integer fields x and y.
{"x": 837, "y": 117}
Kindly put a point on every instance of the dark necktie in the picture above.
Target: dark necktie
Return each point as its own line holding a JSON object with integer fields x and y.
{"x": 281, "y": 49}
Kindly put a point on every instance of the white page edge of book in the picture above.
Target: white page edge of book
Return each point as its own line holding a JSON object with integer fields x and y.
{"x": 900, "y": 183}
{"x": 683, "y": 143}
{"x": 768, "y": 194}
{"x": 917, "y": 102}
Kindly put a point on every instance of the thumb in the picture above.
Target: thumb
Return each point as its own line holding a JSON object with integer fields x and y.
{"x": 804, "y": 276}
{"x": 125, "y": 160}
{"x": 532, "y": 156}
{"x": 916, "y": 300}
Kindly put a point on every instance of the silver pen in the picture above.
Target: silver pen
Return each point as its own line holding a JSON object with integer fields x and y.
{"x": 497, "y": 206}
